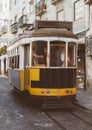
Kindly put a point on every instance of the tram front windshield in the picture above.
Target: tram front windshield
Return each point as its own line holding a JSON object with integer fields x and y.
{"x": 54, "y": 55}
{"x": 39, "y": 53}
{"x": 57, "y": 54}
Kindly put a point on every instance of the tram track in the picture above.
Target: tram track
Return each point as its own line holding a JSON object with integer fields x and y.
{"x": 78, "y": 114}
{"x": 83, "y": 113}
{"x": 53, "y": 119}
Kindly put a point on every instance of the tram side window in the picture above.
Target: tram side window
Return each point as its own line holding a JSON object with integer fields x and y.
{"x": 71, "y": 54}
{"x": 9, "y": 59}
{"x": 14, "y": 62}
{"x": 17, "y": 61}
{"x": 39, "y": 53}
{"x": 57, "y": 54}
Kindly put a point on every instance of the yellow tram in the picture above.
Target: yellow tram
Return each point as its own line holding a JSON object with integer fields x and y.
{"x": 43, "y": 61}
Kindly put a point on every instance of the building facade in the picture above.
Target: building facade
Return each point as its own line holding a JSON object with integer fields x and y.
{"x": 80, "y": 26}
{"x": 25, "y": 12}
{"x": 4, "y": 9}
{"x": 88, "y": 43}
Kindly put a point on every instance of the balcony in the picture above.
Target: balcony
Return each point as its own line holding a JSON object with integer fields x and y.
{"x": 87, "y": 1}
{"x": 3, "y": 50}
{"x": 31, "y": 1}
{"x": 40, "y": 8}
{"x": 22, "y": 21}
{"x": 5, "y": 29}
{"x": 14, "y": 28}
{"x": 53, "y": 2}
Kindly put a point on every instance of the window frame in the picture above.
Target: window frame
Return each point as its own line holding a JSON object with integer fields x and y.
{"x": 36, "y": 56}
{"x": 79, "y": 12}
{"x": 74, "y": 55}
{"x": 60, "y": 44}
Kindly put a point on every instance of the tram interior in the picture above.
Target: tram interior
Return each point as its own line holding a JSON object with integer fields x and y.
{"x": 54, "y": 56}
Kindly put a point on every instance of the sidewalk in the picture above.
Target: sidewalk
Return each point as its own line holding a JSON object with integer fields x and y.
{"x": 84, "y": 99}
{"x": 3, "y": 76}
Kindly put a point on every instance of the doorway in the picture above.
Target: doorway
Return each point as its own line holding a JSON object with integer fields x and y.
{"x": 5, "y": 66}
{"x": 80, "y": 79}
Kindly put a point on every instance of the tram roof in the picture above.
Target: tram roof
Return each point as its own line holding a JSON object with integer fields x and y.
{"x": 53, "y": 32}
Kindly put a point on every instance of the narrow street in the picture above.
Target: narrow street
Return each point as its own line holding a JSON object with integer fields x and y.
{"x": 17, "y": 113}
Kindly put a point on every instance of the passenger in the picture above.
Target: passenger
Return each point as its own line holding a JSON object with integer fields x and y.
{"x": 45, "y": 56}
{"x": 12, "y": 62}
{"x": 60, "y": 57}
{"x": 70, "y": 60}
{"x": 36, "y": 58}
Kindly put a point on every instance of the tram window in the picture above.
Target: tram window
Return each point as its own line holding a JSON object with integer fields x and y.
{"x": 57, "y": 54}
{"x": 9, "y": 61}
{"x": 17, "y": 61}
{"x": 12, "y": 62}
{"x": 39, "y": 53}
{"x": 71, "y": 54}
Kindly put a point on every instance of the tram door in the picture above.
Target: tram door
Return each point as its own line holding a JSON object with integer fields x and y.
{"x": 26, "y": 64}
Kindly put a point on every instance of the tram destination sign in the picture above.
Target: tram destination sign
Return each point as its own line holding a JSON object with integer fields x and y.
{"x": 53, "y": 24}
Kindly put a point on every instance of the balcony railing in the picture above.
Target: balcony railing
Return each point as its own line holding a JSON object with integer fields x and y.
{"x": 88, "y": 1}
{"x": 53, "y": 2}
{"x": 22, "y": 21}
{"x": 14, "y": 28}
{"x": 40, "y": 8}
{"x": 31, "y": 1}
{"x": 5, "y": 29}
{"x": 3, "y": 50}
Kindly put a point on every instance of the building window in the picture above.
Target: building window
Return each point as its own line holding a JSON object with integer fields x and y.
{"x": 90, "y": 15}
{"x": 48, "y": 3}
{"x": 60, "y": 15}
{"x": 15, "y": 2}
{"x": 78, "y": 9}
{"x": 0, "y": 6}
{"x": 31, "y": 7}
{"x": 10, "y": 6}
{"x": 15, "y": 19}
{"x": 24, "y": 11}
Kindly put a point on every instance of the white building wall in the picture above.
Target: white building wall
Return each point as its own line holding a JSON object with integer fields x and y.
{"x": 4, "y": 15}
{"x": 89, "y": 57}
{"x": 89, "y": 73}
